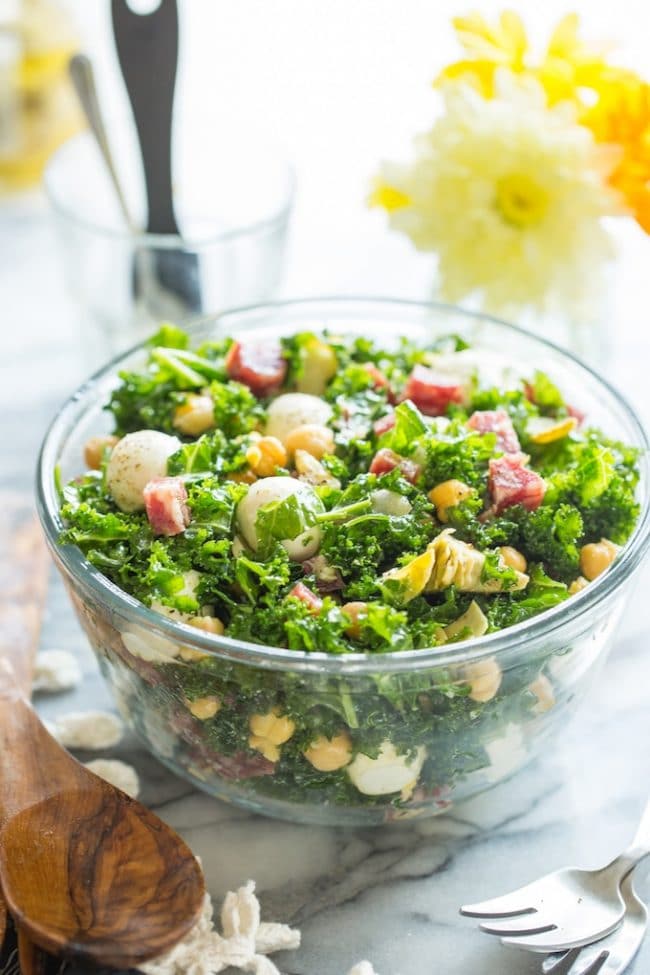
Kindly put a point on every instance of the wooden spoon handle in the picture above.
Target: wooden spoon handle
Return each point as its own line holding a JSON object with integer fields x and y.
{"x": 4, "y": 918}
{"x": 32, "y": 959}
{"x": 24, "y": 566}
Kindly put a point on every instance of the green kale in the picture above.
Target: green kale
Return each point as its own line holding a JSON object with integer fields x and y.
{"x": 545, "y": 395}
{"x": 540, "y": 594}
{"x": 363, "y": 547}
{"x": 169, "y": 336}
{"x": 458, "y": 454}
{"x": 599, "y": 477}
{"x": 210, "y": 454}
{"x": 483, "y": 533}
{"x": 494, "y": 569}
{"x": 144, "y": 401}
{"x": 551, "y": 535}
{"x": 236, "y": 410}
{"x": 285, "y": 519}
{"x": 613, "y": 514}
{"x": 87, "y": 526}
{"x": 213, "y": 504}
{"x": 262, "y": 581}
{"x": 382, "y": 629}
{"x": 409, "y": 428}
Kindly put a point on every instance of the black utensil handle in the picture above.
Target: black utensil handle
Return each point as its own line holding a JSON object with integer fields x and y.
{"x": 147, "y": 49}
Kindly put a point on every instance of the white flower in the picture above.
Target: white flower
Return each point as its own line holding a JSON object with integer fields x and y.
{"x": 510, "y": 194}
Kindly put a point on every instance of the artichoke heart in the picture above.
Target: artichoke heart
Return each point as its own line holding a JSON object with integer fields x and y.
{"x": 458, "y": 564}
{"x": 402, "y": 585}
{"x": 446, "y": 561}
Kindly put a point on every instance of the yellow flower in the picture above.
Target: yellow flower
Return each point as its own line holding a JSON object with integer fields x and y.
{"x": 504, "y": 45}
{"x": 509, "y": 193}
{"x": 622, "y": 116}
{"x": 565, "y": 70}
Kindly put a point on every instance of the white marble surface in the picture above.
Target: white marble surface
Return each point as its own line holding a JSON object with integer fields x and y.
{"x": 391, "y": 894}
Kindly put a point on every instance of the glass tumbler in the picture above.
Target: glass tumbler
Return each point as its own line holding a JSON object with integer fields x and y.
{"x": 233, "y": 196}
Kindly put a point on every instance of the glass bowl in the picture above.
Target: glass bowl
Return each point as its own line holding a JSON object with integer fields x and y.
{"x": 452, "y": 747}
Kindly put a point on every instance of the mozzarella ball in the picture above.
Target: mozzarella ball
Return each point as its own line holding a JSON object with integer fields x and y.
{"x": 137, "y": 459}
{"x": 387, "y": 773}
{"x": 278, "y": 489}
{"x": 293, "y": 410}
{"x": 390, "y": 503}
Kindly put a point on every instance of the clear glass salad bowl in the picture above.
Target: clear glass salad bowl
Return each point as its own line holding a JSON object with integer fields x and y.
{"x": 547, "y": 662}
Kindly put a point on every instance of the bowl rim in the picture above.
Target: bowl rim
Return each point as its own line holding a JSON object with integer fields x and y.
{"x": 80, "y": 571}
{"x": 276, "y": 217}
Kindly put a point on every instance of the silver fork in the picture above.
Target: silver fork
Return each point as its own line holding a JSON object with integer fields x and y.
{"x": 565, "y": 909}
{"x": 613, "y": 954}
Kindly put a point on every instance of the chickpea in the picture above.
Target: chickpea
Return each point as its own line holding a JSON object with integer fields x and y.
{"x": 596, "y": 557}
{"x": 268, "y": 732}
{"x": 195, "y": 416}
{"x": 578, "y": 585}
{"x": 513, "y": 558}
{"x": 542, "y": 688}
{"x": 330, "y": 754}
{"x": 94, "y": 450}
{"x": 242, "y": 477}
{"x": 265, "y": 456}
{"x": 204, "y": 708}
{"x": 209, "y": 624}
{"x": 484, "y": 678}
{"x": 448, "y": 494}
{"x": 357, "y": 611}
{"x": 311, "y": 437}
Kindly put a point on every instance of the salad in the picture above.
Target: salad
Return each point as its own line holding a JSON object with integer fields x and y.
{"x": 332, "y": 495}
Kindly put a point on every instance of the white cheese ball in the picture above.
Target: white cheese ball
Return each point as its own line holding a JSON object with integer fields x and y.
{"x": 295, "y": 410}
{"x": 269, "y": 489}
{"x": 135, "y": 460}
{"x": 387, "y": 773}
{"x": 390, "y": 503}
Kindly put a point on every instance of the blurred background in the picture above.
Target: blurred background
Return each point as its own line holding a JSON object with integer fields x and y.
{"x": 320, "y": 91}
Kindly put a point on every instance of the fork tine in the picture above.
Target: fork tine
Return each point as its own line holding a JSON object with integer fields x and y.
{"x": 510, "y": 904}
{"x": 523, "y": 924}
{"x": 593, "y": 966}
{"x": 552, "y": 963}
{"x": 550, "y": 940}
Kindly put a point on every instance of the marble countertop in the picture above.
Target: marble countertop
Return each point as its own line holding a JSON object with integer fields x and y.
{"x": 391, "y": 894}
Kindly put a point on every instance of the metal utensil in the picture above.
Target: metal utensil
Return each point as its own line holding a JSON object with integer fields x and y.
{"x": 147, "y": 50}
{"x": 83, "y": 79}
{"x": 565, "y": 909}
{"x": 152, "y": 300}
{"x": 613, "y": 954}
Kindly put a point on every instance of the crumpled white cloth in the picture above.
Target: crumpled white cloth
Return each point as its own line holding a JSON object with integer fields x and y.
{"x": 245, "y": 943}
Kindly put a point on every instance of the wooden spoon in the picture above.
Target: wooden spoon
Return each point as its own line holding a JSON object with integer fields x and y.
{"x": 85, "y": 869}
{"x": 24, "y": 566}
